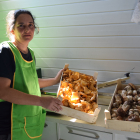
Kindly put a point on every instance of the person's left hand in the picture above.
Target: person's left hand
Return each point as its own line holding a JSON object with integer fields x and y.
{"x": 58, "y": 76}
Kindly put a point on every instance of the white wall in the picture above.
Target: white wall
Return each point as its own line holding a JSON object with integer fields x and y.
{"x": 90, "y": 35}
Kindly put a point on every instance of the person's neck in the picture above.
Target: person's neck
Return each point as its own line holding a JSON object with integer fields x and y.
{"x": 23, "y": 47}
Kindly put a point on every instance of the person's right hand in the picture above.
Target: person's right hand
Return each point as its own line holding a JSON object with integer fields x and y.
{"x": 51, "y": 103}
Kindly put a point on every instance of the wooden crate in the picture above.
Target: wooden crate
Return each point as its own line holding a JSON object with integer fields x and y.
{"x": 118, "y": 124}
{"x": 79, "y": 114}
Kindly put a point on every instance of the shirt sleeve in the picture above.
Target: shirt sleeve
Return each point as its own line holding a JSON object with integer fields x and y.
{"x": 7, "y": 63}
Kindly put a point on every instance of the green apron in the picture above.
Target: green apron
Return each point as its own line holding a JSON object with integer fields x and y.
{"x": 27, "y": 121}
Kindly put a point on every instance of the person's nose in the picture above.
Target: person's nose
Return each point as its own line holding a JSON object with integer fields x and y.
{"x": 27, "y": 29}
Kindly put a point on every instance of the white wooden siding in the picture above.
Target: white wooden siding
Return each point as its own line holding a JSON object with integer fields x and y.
{"x": 90, "y": 35}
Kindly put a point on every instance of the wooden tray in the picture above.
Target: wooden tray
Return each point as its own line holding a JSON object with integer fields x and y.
{"x": 76, "y": 113}
{"x": 118, "y": 124}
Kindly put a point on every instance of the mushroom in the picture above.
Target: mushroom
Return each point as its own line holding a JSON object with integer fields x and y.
{"x": 127, "y": 98}
{"x": 138, "y": 91}
{"x": 136, "y": 112}
{"x": 114, "y": 115}
{"x": 131, "y": 111}
{"x": 127, "y": 88}
{"x": 124, "y": 93}
{"x": 114, "y": 118}
{"x": 116, "y": 105}
{"x": 126, "y": 106}
{"x": 134, "y": 103}
{"x": 138, "y": 98}
{"x": 138, "y": 103}
{"x": 119, "y": 118}
{"x": 132, "y": 86}
{"x": 119, "y": 91}
{"x": 121, "y": 112}
{"x": 118, "y": 98}
{"x": 134, "y": 92}
{"x": 114, "y": 110}
{"x": 133, "y": 107}
{"x": 135, "y": 98}
{"x": 137, "y": 107}
{"x": 133, "y": 118}
{"x": 129, "y": 92}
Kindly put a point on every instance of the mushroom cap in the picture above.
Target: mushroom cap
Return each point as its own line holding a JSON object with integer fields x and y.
{"x": 119, "y": 118}
{"x": 132, "y": 86}
{"x": 128, "y": 87}
{"x": 121, "y": 112}
{"x": 133, "y": 118}
{"x": 134, "y": 92}
{"x": 129, "y": 92}
{"x": 138, "y": 90}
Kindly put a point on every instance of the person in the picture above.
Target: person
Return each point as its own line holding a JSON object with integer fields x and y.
{"x": 21, "y": 113}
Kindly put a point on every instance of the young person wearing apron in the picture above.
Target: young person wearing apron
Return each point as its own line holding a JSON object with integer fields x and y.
{"x": 22, "y": 91}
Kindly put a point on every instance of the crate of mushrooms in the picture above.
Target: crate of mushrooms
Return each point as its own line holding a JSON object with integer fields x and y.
{"x": 124, "y": 109}
{"x": 78, "y": 93}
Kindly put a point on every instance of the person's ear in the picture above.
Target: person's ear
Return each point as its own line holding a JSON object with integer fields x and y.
{"x": 12, "y": 32}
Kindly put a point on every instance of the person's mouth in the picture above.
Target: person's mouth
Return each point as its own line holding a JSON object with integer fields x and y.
{"x": 27, "y": 35}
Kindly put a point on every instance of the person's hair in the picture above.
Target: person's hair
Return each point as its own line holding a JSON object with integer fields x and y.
{"x": 11, "y": 20}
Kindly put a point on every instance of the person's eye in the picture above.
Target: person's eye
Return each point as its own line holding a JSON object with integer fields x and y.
{"x": 31, "y": 25}
{"x": 20, "y": 25}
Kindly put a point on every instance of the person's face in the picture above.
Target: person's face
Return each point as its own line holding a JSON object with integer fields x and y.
{"x": 24, "y": 28}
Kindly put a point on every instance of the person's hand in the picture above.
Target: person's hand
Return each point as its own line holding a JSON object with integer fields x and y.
{"x": 58, "y": 76}
{"x": 51, "y": 103}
